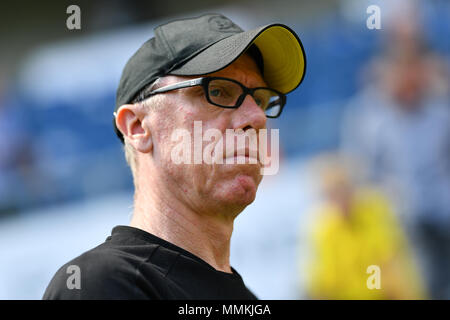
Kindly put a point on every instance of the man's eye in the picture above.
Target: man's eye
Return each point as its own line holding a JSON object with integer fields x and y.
{"x": 215, "y": 92}
{"x": 259, "y": 102}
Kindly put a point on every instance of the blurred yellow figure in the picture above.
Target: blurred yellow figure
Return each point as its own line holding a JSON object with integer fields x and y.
{"x": 354, "y": 229}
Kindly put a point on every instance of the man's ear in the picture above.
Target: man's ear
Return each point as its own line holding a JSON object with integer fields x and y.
{"x": 130, "y": 121}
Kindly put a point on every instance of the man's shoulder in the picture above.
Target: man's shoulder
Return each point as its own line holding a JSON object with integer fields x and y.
{"x": 104, "y": 272}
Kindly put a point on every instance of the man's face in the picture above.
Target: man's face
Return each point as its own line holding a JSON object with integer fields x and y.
{"x": 406, "y": 80}
{"x": 208, "y": 188}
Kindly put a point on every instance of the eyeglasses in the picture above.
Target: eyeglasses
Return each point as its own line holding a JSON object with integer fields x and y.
{"x": 229, "y": 93}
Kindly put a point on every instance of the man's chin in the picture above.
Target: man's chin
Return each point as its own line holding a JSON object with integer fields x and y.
{"x": 240, "y": 191}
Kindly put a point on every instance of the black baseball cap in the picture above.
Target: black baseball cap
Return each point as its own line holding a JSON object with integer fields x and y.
{"x": 209, "y": 43}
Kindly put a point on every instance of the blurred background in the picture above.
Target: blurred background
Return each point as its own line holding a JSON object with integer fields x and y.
{"x": 364, "y": 177}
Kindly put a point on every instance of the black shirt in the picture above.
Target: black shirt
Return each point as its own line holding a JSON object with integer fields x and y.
{"x": 134, "y": 264}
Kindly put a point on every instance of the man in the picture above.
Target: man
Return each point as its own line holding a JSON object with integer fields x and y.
{"x": 201, "y": 70}
{"x": 398, "y": 126}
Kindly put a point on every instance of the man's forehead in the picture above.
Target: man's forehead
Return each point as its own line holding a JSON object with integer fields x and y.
{"x": 244, "y": 69}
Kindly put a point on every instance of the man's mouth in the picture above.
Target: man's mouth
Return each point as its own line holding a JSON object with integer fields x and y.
{"x": 242, "y": 156}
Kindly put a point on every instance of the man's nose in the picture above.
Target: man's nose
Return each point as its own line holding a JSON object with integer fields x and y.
{"x": 249, "y": 115}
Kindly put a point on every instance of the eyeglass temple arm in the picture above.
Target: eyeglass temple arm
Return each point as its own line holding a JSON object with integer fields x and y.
{"x": 179, "y": 85}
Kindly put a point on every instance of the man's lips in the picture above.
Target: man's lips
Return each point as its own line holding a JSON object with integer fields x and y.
{"x": 245, "y": 153}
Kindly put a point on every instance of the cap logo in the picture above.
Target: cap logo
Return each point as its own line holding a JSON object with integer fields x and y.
{"x": 222, "y": 24}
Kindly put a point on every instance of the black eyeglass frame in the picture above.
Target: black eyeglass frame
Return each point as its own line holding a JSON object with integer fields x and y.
{"x": 204, "y": 82}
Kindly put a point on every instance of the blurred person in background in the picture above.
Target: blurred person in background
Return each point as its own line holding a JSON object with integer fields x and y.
{"x": 399, "y": 126}
{"x": 15, "y": 156}
{"x": 353, "y": 228}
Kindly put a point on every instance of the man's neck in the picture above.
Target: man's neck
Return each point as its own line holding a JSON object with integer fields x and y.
{"x": 206, "y": 236}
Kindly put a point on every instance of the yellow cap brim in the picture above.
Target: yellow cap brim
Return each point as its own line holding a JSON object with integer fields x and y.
{"x": 283, "y": 56}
